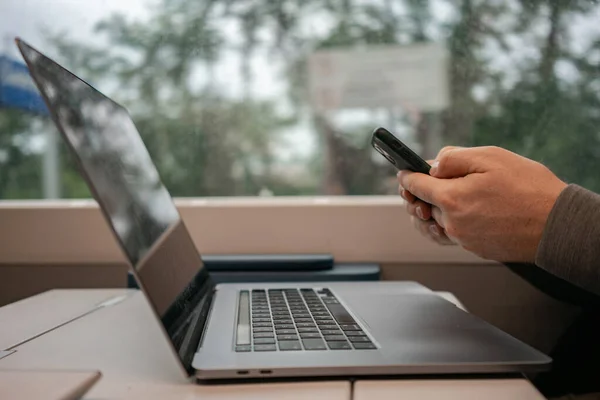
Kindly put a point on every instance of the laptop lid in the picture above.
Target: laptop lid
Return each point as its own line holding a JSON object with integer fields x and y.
{"x": 138, "y": 208}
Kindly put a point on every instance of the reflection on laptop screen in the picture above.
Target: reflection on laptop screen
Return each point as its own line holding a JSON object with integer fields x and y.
{"x": 126, "y": 184}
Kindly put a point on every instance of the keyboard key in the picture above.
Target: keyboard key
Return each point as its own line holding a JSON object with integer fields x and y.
{"x": 339, "y": 313}
{"x": 265, "y": 347}
{"x": 255, "y": 320}
{"x": 269, "y": 329}
{"x": 307, "y": 330}
{"x": 284, "y": 326}
{"x": 318, "y": 313}
{"x": 330, "y": 300}
{"x": 364, "y": 346}
{"x": 310, "y": 335}
{"x": 350, "y": 327}
{"x": 242, "y": 349}
{"x": 339, "y": 345}
{"x": 264, "y": 341}
{"x": 321, "y": 324}
{"x": 278, "y": 309}
{"x": 290, "y": 345}
{"x": 322, "y": 317}
{"x": 355, "y": 333}
{"x": 286, "y": 332}
{"x": 302, "y": 315}
{"x": 358, "y": 339}
{"x": 314, "y": 344}
{"x": 284, "y": 321}
{"x": 287, "y": 337}
{"x": 261, "y": 324}
{"x": 332, "y": 332}
{"x": 305, "y": 325}
{"x": 335, "y": 338}
{"x": 303, "y": 320}
{"x": 328, "y": 327}
{"x": 263, "y": 335}
{"x": 299, "y": 314}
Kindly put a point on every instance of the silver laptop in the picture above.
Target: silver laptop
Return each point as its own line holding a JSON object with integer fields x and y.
{"x": 245, "y": 331}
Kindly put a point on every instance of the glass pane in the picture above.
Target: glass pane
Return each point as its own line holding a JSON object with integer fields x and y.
{"x": 261, "y": 97}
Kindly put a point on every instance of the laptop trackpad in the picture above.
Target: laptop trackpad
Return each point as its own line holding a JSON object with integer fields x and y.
{"x": 427, "y": 328}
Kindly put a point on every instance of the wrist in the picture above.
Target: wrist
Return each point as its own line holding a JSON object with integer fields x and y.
{"x": 546, "y": 203}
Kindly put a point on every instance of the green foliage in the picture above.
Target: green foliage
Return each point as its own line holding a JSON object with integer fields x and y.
{"x": 18, "y": 165}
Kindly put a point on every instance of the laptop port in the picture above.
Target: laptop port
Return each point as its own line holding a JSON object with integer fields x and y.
{"x": 266, "y": 371}
{"x": 243, "y": 372}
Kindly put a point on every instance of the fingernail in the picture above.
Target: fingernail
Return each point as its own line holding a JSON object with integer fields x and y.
{"x": 434, "y": 230}
{"x": 420, "y": 213}
{"x": 434, "y": 167}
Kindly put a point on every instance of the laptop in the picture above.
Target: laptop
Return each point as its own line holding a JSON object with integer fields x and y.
{"x": 256, "y": 331}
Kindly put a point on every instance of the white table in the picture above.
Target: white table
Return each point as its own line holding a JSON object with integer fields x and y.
{"x": 81, "y": 330}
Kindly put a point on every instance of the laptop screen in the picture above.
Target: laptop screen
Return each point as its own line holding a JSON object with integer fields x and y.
{"x": 124, "y": 181}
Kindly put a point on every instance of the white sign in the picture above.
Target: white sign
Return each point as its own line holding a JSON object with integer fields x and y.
{"x": 385, "y": 76}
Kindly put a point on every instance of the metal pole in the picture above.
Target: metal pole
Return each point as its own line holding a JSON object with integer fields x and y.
{"x": 51, "y": 163}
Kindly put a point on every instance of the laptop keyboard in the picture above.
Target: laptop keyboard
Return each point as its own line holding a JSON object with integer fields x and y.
{"x": 296, "y": 320}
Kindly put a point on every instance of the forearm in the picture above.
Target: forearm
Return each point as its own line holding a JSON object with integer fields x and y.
{"x": 570, "y": 245}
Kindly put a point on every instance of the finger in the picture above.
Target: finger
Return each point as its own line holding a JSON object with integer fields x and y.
{"x": 439, "y": 235}
{"x": 408, "y": 196}
{"x": 457, "y": 162}
{"x": 432, "y": 231}
{"x": 422, "y": 186}
{"x": 438, "y": 216}
{"x": 419, "y": 209}
{"x": 401, "y": 192}
{"x": 445, "y": 149}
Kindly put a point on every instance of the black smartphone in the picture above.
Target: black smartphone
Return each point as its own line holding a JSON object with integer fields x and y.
{"x": 396, "y": 152}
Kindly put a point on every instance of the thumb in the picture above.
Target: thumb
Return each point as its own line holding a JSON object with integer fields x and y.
{"x": 454, "y": 162}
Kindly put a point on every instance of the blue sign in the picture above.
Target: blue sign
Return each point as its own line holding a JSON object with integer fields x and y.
{"x": 17, "y": 89}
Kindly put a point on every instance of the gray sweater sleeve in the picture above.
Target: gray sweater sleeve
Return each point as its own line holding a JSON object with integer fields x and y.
{"x": 570, "y": 245}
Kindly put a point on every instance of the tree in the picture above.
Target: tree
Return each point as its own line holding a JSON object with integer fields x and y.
{"x": 207, "y": 143}
{"x": 543, "y": 117}
{"x": 20, "y": 166}
{"x": 202, "y": 142}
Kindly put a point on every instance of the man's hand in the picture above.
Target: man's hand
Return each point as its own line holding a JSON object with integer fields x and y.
{"x": 490, "y": 201}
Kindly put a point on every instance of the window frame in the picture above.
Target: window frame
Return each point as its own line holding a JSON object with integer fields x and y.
{"x": 353, "y": 229}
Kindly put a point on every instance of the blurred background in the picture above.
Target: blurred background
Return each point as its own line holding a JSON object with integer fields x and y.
{"x": 266, "y": 97}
